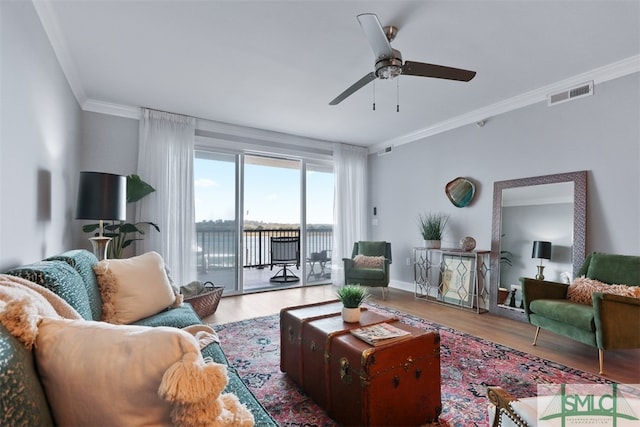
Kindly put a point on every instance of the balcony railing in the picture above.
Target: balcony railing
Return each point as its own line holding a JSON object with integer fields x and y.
{"x": 218, "y": 248}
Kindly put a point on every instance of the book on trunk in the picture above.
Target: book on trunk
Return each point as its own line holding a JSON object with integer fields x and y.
{"x": 380, "y": 333}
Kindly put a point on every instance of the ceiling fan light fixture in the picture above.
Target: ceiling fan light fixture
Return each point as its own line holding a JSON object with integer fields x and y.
{"x": 389, "y": 72}
{"x": 389, "y": 68}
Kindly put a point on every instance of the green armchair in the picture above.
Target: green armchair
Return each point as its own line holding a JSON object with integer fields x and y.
{"x": 361, "y": 270}
{"x": 610, "y": 322}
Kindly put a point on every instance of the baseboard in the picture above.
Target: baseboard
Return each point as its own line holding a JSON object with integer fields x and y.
{"x": 405, "y": 286}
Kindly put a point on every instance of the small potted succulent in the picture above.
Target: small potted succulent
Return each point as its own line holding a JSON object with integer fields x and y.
{"x": 432, "y": 227}
{"x": 352, "y": 296}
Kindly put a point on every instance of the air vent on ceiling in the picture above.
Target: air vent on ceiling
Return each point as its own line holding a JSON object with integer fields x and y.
{"x": 585, "y": 89}
{"x": 385, "y": 150}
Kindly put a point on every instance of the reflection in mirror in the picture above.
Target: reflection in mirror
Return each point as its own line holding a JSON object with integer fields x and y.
{"x": 550, "y": 208}
{"x": 540, "y": 212}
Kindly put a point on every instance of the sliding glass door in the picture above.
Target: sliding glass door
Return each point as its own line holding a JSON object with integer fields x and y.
{"x": 244, "y": 202}
{"x": 319, "y": 222}
{"x": 271, "y": 213}
{"x": 216, "y": 186}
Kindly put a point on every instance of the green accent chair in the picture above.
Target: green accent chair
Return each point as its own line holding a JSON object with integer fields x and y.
{"x": 611, "y": 322}
{"x": 371, "y": 277}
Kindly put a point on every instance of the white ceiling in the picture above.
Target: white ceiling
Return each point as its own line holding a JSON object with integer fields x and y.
{"x": 275, "y": 65}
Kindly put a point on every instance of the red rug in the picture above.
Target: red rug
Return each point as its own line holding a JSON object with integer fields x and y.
{"x": 468, "y": 365}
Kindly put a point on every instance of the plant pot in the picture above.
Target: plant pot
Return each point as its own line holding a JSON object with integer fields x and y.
{"x": 351, "y": 315}
{"x": 432, "y": 244}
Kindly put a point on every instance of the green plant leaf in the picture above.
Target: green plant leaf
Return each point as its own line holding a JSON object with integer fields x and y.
{"x": 352, "y": 295}
{"x": 152, "y": 225}
{"x": 137, "y": 188}
{"x": 432, "y": 225}
{"x": 130, "y": 228}
{"x": 90, "y": 228}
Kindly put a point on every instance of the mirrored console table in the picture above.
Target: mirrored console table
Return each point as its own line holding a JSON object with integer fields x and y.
{"x": 453, "y": 277}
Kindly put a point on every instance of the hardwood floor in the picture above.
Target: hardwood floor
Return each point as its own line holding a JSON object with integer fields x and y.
{"x": 622, "y": 366}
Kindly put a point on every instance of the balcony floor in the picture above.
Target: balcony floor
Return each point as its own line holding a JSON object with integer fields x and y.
{"x": 257, "y": 280}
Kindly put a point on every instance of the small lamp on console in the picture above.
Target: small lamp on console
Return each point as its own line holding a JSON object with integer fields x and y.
{"x": 101, "y": 196}
{"x": 541, "y": 250}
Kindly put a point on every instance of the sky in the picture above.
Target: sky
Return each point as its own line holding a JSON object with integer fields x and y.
{"x": 272, "y": 194}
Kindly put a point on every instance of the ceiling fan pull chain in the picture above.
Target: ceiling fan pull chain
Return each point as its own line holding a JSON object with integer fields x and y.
{"x": 398, "y": 95}
{"x": 374, "y": 95}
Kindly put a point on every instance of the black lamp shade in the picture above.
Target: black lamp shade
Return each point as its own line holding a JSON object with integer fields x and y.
{"x": 102, "y": 196}
{"x": 541, "y": 250}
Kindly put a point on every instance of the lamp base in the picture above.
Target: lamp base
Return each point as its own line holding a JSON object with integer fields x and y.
{"x": 100, "y": 246}
{"x": 540, "y": 276}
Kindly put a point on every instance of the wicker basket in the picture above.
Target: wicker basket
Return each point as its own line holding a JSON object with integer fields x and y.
{"x": 206, "y": 303}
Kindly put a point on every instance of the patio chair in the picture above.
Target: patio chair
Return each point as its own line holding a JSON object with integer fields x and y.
{"x": 321, "y": 259}
{"x": 285, "y": 252}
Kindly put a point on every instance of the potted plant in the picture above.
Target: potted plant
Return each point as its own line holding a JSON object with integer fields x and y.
{"x": 121, "y": 232}
{"x": 351, "y": 296}
{"x": 432, "y": 227}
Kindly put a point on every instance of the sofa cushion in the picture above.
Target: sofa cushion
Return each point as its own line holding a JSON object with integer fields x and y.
{"x": 83, "y": 262}
{"x": 364, "y": 261}
{"x": 613, "y": 268}
{"x": 214, "y": 352}
{"x": 126, "y": 375}
{"x": 572, "y": 313}
{"x": 582, "y": 288}
{"x": 133, "y": 288}
{"x": 21, "y": 393}
{"x": 179, "y": 317}
{"x": 62, "y": 279}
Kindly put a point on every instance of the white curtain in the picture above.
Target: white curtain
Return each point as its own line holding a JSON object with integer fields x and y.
{"x": 350, "y": 207}
{"x": 165, "y": 161}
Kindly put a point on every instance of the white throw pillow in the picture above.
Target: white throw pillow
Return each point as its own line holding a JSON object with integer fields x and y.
{"x": 133, "y": 288}
{"x": 99, "y": 374}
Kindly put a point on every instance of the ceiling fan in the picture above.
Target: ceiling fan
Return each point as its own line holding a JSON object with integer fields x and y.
{"x": 389, "y": 63}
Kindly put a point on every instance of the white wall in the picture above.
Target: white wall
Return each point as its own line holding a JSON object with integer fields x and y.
{"x": 40, "y": 121}
{"x": 598, "y": 133}
{"x": 109, "y": 144}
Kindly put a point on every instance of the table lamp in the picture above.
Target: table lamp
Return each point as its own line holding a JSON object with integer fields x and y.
{"x": 101, "y": 196}
{"x": 541, "y": 250}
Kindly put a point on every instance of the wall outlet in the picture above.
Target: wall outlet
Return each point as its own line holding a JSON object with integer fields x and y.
{"x": 408, "y": 261}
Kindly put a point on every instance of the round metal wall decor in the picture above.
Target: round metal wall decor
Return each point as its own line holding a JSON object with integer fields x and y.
{"x": 460, "y": 191}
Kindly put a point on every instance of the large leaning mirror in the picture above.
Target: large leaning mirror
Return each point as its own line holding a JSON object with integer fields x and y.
{"x": 550, "y": 209}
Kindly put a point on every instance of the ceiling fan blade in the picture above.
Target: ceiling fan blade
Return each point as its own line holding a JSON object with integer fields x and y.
{"x": 376, "y": 36}
{"x": 436, "y": 71}
{"x": 353, "y": 88}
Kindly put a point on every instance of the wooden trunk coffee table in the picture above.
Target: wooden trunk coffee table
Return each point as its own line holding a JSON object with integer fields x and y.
{"x": 356, "y": 383}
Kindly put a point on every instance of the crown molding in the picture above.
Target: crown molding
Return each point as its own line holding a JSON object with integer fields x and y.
{"x": 599, "y": 75}
{"x": 52, "y": 30}
{"x": 219, "y": 130}
{"x": 112, "y": 109}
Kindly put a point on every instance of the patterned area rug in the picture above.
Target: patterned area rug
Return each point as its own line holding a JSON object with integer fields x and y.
{"x": 468, "y": 365}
